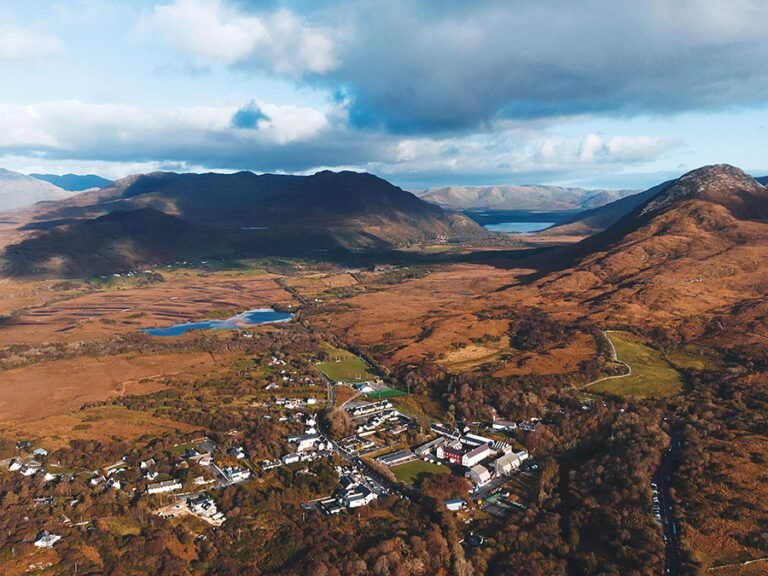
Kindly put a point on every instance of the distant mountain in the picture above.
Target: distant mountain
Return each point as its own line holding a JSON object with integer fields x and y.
{"x": 154, "y": 217}
{"x": 539, "y": 198}
{"x": 74, "y": 182}
{"x": 18, "y": 190}
{"x": 598, "y": 219}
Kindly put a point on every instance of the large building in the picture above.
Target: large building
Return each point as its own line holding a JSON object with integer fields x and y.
{"x": 395, "y": 458}
{"x": 479, "y": 474}
{"x": 451, "y": 452}
{"x": 509, "y": 462}
{"x": 476, "y": 455}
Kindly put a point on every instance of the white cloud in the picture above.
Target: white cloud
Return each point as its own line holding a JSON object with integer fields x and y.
{"x": 591, "y": 146}
{"x": 76, "y": 126}
{"x": 216, "y": 32}
{"x": 23, "y": 44}
{"x": 633, "y": 148}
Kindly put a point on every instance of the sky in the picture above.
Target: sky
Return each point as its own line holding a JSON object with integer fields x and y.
{"x": 597, "y": 93}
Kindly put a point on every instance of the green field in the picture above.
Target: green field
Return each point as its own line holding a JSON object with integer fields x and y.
{"x": 411, "y": 472}
{"x": 652, "y": 374}
{"x": 345, "y": 367}
{"x": 385, "y": 393}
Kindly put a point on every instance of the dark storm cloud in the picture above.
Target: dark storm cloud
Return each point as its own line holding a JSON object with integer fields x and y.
{"x": 424, "y": 67}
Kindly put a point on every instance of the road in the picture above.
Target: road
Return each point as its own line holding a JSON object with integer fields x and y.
{"x": 615, "y": 358}
{"x": 358, "y": 463}
{"x": 671, "y": 530}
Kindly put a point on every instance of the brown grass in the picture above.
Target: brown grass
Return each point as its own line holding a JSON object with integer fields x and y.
{"x": 91, "y": 315}
{"x": 60, "y": 387}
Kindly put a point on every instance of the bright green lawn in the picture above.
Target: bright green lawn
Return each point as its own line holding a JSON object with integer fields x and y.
{"x": 385, "y": 393}
{"x": 345, "y": 367}
{"x": 411, "y": 472}
{"x": 652, "y": 374}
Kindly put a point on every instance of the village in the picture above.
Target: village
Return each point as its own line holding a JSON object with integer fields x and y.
{"x": 372, "y": 463}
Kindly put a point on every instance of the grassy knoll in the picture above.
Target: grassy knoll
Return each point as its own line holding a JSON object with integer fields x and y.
{"x": 345, "y": 367}
{"x": 411, "y": 472}
{"x": 652, "y": 374}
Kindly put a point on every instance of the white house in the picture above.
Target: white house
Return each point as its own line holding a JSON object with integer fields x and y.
{"x": 290, "y": 458}
{"x": 305, "y": 441}
{"x": 167, "y": 486}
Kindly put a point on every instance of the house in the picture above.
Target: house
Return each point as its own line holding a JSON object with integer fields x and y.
{"x": 236, "y": 474}
{"x": 304, "y": 441}
{"x": 476, "y": 455}
{"x": 40, "y": 452}
{"x": 290, "y": 458}
{"x": 14, "y": 465}
{"x": 144, "y": 465}
{"x": 455, "y": 505}
{"x": 270, "y": 464}
{"x": 427, "y": 448}
{"x": 395, "y": 458}
{"x": 46, "y": 539}
{"x": 504, "y": 425}
{"x": 479, "y": 474}
{"x": 310, "y": 401}
{"x": 167, "y": 486}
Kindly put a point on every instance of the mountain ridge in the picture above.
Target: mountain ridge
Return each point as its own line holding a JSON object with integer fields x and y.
{"x": 236, "y": 215}
{"x": 523, "y": 197}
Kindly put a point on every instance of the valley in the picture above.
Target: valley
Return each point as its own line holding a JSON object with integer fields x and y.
{"x": 395, "y": 366}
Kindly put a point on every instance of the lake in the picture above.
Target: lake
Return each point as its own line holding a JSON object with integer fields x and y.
{"x": 248, "y": 318}
{"x": 518, "y": 227}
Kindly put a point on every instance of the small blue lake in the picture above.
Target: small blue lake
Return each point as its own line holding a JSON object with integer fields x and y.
{"x": 248, "y": 318}
{"x": 519, "y": 227}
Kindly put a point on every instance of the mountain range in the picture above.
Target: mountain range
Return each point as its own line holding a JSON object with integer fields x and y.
{"x": 529, "y": 197}
{"x": 74, "y": 182}
{"x": 155, "y": 217}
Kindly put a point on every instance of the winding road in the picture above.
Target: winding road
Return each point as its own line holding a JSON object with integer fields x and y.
{"x": 615, "y": 358}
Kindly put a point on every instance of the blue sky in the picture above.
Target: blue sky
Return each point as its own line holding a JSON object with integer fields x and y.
{"x": 594, "y": 93}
